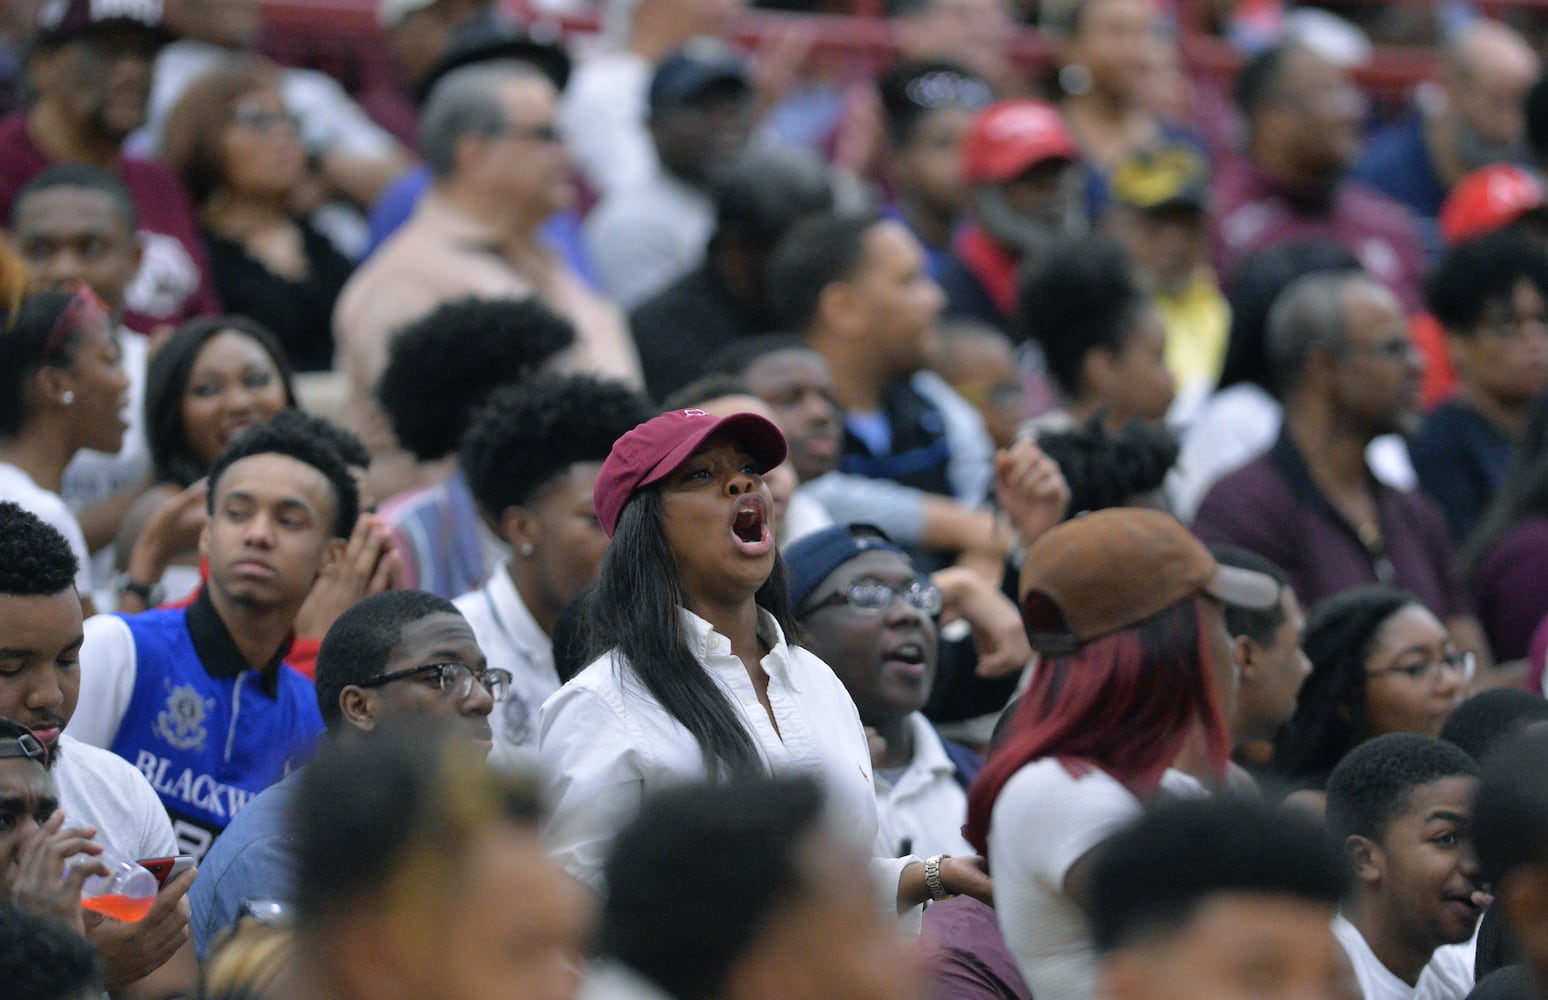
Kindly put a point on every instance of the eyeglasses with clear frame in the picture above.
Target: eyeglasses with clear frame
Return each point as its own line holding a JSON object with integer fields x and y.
{"x": 1464, "y": 664}
{"x": 451, "y": 677}
{"x": 868, "y": 594}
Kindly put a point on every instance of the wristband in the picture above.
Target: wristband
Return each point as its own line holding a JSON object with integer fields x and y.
{"x": 152, "y": 595}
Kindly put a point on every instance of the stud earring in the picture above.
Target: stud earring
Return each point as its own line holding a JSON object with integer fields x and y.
{"x": 69, "y": 397}
{"x": 527, "y": 550}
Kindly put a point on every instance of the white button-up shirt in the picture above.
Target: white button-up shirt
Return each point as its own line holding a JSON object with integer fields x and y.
{"x": 606, "y": 743}
{"x": 923, "y": 811}
{"x": 512, "y": 639}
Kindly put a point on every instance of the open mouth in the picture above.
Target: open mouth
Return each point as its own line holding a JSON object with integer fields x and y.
{"x": 907, "y": 660}
{"x": 750, "y": 526}
{"x": 1467, "y": 908}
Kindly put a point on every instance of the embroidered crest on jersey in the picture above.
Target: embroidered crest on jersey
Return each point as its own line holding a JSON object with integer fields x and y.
{"x": 181, "y": 723}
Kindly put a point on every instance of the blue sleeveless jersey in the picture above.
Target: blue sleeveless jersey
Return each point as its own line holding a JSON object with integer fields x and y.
{"x": 208, "y": 744}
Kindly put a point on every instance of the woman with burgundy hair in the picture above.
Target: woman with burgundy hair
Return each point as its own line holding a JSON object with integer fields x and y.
{"x": 1127, "y": 610}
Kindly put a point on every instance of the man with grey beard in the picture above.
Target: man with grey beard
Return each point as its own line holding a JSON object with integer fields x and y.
{"x": 1028, "y": 194}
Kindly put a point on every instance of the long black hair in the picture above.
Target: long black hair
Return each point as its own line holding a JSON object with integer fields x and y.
{"x": 1329, "y": 718}
{"x": 166, "y": 380}
{"x": 636, "y": 608}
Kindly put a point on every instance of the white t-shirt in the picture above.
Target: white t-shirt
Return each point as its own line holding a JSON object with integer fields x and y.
{"x": 1449, "y": 976}
{"x": 99, "y": 787}
{"x": 18, "y": 487}
{"x": 1043, "y": 822}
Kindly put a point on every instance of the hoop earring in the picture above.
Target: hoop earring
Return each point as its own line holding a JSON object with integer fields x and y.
{"x": 1075, "y": 80}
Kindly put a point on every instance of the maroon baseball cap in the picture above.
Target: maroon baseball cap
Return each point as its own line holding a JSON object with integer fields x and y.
{"x": 650, "y": 452}
{"x": 1009, "y": 138}
{"x": 61, "y": 21}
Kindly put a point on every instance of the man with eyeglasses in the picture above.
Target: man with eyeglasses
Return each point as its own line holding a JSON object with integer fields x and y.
{"x": 1348, "y": 373}
{"x": 499, "y": 172}
{"x": 865, "y": 610}
{"x": 394, "y": 655}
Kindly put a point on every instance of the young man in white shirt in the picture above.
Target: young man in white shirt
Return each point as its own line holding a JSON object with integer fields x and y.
{"x": 531, "y": 459}
{"x": 40, "y": 642}
{"x": 867, "y": 612}
{"x": 1402, "y": 805}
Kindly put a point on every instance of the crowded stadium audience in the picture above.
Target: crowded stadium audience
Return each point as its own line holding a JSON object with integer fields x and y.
{"x": 837, "y": 500}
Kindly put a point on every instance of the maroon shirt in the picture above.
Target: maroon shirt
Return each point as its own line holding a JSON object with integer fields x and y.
{"x": 969, "y": 959}
{"x": 174, "y": 279}
{"x": 1253, "y": 211}
{"x": 1271, "y": 506}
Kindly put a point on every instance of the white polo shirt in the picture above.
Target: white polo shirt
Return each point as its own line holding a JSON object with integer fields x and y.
{"x": 512, "y": 639}
{"x": 922, "y": 812}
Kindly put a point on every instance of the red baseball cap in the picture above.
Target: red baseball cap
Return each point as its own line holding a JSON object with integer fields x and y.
{"x": 1488, "y": 199}
{"x": 1008, "y": 138}
{"x": 650, "y": 452}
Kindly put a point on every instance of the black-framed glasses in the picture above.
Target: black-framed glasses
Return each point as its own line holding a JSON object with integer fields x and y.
{"x": 868, "y": 594}
{"x": 1463, "y": 664}
{"x": 25, "y": 746}
{"x": 451, "y": 677}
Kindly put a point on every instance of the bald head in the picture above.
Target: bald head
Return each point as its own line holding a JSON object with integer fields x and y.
{"x": 1488, "y": 69}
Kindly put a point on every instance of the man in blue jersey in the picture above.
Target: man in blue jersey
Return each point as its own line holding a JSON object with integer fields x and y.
{"x": 200, "y": 699}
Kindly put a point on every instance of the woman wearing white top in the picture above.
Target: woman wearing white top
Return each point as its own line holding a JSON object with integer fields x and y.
{"x": 693, "y": 675}
{"x": 62, "y": 389}
{"x": 1126, "y": 607}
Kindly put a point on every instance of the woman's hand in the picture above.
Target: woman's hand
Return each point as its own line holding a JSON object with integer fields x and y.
{"x": 1031, "y": 489}
{"x": 38, "y": 880}
{"x": 370, "y": 565}
{"x": 998, "y": 633}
